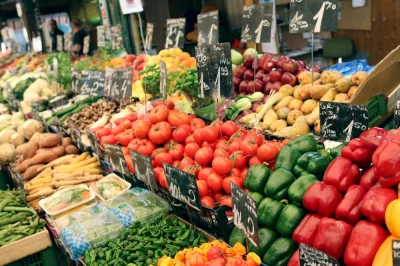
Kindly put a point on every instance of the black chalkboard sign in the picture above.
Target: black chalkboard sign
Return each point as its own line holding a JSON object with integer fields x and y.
{"x": 182, "y": 186}
{"x": 118, "y": 83}
{"x": 75, "y": 79}
{"x": 310, "y": 256}
{"x": 342, "y": 121}
{"x": 163, "y": 80}
{"x": 75, "y": 135}
{"x": 101, "y": 36}
{"x": 91, "y": 83}
{"x": 175, "y": 33}
{"x": 207, "y": 25}
{"x": 149, "y": 36}
{"x": 396, "y": 119}
{"x": 313, "y": 15}
{"x": 117, "y": 159}
{"x": 396, "y": 252}
{"x": 144, "y": 169}
{"x": 116, "y": 37}
{"x": 214, "y": 69}
{"x": 245, "y": 213}
{"x": 94, "y": 142}
{"x": 257, "y": 23}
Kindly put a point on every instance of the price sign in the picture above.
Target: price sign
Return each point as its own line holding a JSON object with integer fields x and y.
{"x": 214, "y": 69}
{"x": 257, "y": 23}
{"x": 58, "y": 101}
{"x": 116, "y": 158}
{"x": 144, "y": 169}
{"x": 116, "y": 37}
{"x": 245, "y": 213}
{"x": 101, "y": 36}
{"x": 86, "y": 45}
{"x": 20, "y": 184}
{"x": 396, "y": 252}
{"x": 175, "y": 33}
{"x": 75, "y": 79}
{"x": 342, "y": 121}
{"x": 310, "y": 256}
{"x": 149, "y": 36}
{"x": 75, "y": 135}
{"x": 67, "y": 42}
{"x": 396, "y": 120}
{"x": 313, "y": 15}
{"x": 163, "y": 80}
{"x": 94, "y": 142}
{"x": 118, "y": 82}
{"x": 59, "y": 43}
{"x": 208, "y": 28}
{"x": 92, "y": 83}
{"x": 182, "y": 186}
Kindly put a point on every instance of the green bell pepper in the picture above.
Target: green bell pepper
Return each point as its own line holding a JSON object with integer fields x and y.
{"x": 237, "y": 236}
{"x": 298, "y": 188}
{"x": 268, "y": 212}
{"x": 278, "y": 184}
{"x": 256, "y": 178}
{"x": 280, "y": 252}
{"x": 257, "y": 197}
{"x": 289, "y": 219}
{"x": 303, "y": 144}
{"x": 311, "y": 162}
{"x": 337, "y": 151}
{"x": 287, "y": 158}
{"x": 266, "y": 237}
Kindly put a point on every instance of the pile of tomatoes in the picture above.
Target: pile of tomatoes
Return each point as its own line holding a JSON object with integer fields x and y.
{"x": 216, "y": 154}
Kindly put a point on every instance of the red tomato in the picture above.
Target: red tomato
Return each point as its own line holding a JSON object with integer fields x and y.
{"x": 254, "y": 160}
{"x": 161, "y": 158}
{"x": 267, "y": 152}
{"x": 118, "y": 129}
{"x": 239, "y": 159}
{"x": 196, "y": 123}
{"x": 216, "y": 253}
{"x": 243, "y": 173}
{"x": 205, "y": 173}
{"x": 204, "y": 156}
{"x": 285, "y": 141}
{"x": 278, "y": 145}
{"x": 110, "y": 139}
{"x": 227, "y": 202}
{"x": 185, "y": 162}
{"x": 222, "y": 165}
{"x": 134, "y": 144}
{"x": 214, "y": 182}
{"x": 229, "y": 128}
{"x": 141, "y": 129}
{"x": 234, "y": 146}
{"x": 271, "y": 165}
{"x": 127, "y": 124}
{"x": 217, "y": 196}
{"x": 176, "y": 163}
{"x": 191, "y": 169}
{"x": 220, "y": 153}
{"x": 202, "y": 187}
{"x": 217, "y": 262}
{"x": 131, "y": 117}
{"x": 235, "y": 172}
{"x": 176, "y": 151}
{"x": 189, "y": 139}
{"x": 177, "y": 118}
{"x": 197, "y": 136}
{"x": 207, "y": 201}
{"x": 258, "y": 138}
{"x": 160, "y": 133}
{"x": 181, "y": 133}
{"x": 191, "y": 149}
{"x": 120, "y": 121}
{"x": 146, "y": 147}
{"x": 211, "y": 145}
{"x": 249, "y": 147}
{"x": 227, "y": 183}
{"x": 158, "y": 114}
{"x": 209, "y": 134}
{"x": 157, "y": 171}
{"x": 163, "y": 180}
{"x": 222, "y": 144}
{"x": 126, "y": 137}
{"x": 235, "y": 261}
{"x": 103, "y": 132}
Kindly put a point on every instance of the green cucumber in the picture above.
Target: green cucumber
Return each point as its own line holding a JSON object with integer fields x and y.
{"x": 76, "y": 110}
{"x": 62, "y": 112}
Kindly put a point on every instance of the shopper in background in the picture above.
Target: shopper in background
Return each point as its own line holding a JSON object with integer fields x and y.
{"x": 54, "y": 31}
{"x": 79, "y": 33}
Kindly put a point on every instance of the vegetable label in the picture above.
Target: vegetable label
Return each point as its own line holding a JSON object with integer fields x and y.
{"x": 163, "y": 80}
{"x": 59, "y": 43}
{"x": 313, "y": 15}
{"x": 214, "y": 69}
{"x": 67, "y": 42}
{"x": 86, "y": 45}
{"x": 257, "y": 23}
{"x": 182, "y": 186}
{"x": 245, "y": 213}
{"x": 101, "y": 36}
{"x": 175, "y": 33}
{"x": 342, "y": 121}
{"x": 208, "y": 28}
{"x": 75, "y": 80}
{"x": 396, "y": 120}
{"x": 75, "y": 135}
{"x": 118, "y": 82}
{"x": 396, "y": 252}
{"x": 149, "y": 36}
{"x": 144, "y": 169}
{"x": 116, "y": 37}
{"x": 94, "y": 142}
{"x": 310, "y": 256}
{"x": 116, "y": 158}
{"x": 92, "y": 83}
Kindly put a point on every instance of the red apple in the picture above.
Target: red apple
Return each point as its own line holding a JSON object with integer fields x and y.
{"x": 299, "y": 72}
{"x": 276, "y": 86}
{"x": 248, "y": 60}
{"x": 268, "y": 87}
{"x": 239, "y": 71}
{"x": 290, "y": 66}
{"x": 243, "y": 86}
{"x": 243, "y": 93}
{"x": 264, "y": 58}
{"x": 301, "y": 65}
{"x": 248, "y": 74}
{"x": 256, "y": 64}
{"x": 251, "y": 87}
{"x": 266, "y": 78}
{"x": 282, "y": 60}
{"x": 289, "y": 78}
{"x": 236, "y": 82}
{"x": 275, "y": 75}
{"x": 259, "y": 85}
{"x": 130, "y": 58}
{"x": 269, "y": 65}
{"x": 317, "y": 69}
{"x": 260, "y": 74}
{"x": 235, "y": 93}
{"x": 254, "y": 106}
{"x": 170, "y": 104}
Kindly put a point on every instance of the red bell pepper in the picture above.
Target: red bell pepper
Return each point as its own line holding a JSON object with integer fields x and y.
{"x": 369, "y": 179}
{"x": 342, "y": 173}
{"x": 307, "y": 229}
{"x": 373, "y": 136}
{"x": 364, "y": 242}
{"x": 322, "y": 199}
{"x": 349, "y": 209}
{"x": 295, "y": 259}
{"x": 393, "y": 134}
{"x": 332, "y": 237}
{"x": 375, "y": 202}
{"x": 358, "y": 152}
{"x": 386, "y": 159}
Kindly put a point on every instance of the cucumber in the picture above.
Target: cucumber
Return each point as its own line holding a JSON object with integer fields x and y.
{"x": 76, "y": 110}
{"x": 62, "y": 112}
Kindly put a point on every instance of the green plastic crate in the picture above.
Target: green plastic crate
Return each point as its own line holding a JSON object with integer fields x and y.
{"x": 377, "y": 107}
{"x": 45, "y": 257}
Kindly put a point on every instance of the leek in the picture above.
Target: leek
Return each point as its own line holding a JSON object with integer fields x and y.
{"x": 235, "y": 109}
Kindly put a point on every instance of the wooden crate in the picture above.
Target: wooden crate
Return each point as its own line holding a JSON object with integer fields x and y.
{"x": 25, "y": 247}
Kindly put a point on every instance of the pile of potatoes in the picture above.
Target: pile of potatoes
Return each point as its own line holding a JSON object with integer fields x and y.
{"x": 298, "y": 107}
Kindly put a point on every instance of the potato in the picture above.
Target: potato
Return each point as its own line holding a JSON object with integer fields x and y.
{"x": 330, "y": 76}
{"x": 59, "y": 150}
{"x": 305, "y": 77}
{"x": 269, "y": 117}
{"x": 286, "y": 132}
{"x": 48, "y": 140}
{"x": 296, "y": 91}
{"x": 301, "y": 119}
{"x": 341, "y": 97}
{"x": 66, "y": 141}
{"x": 284, "y": 102}
{"x": 343, "y": 85}
{"x": 278, "y": 125}
{"x": 359, "y": 77}
{"x": 259, "y": 108}
{"x": 314, "y": 116}
{"x": 303, "y": 92}
{"x": 71, "y": 149}
{"x": 30, "y": 150}
{"x": 286, "y": 90}
{"x": 329, "y": 96}
{"x": 317, "y": 127}
{"x": 293, "y": 115}
{"x": 282, "y": 112}
{"x": 301, "y": 128}
{"x": 308, "y": 106}
{"x": 295, "y": 104}
{"x": 21, "y": 148}
{"x": 352, "y": 91}
{"x": 317, "y": 91}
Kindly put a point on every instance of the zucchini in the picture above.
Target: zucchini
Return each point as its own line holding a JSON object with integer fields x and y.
{"x": 62, "y": 112}
{"x": 76, "y": 110}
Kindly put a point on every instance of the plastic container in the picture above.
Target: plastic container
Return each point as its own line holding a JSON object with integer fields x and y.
{"x": 377, "y": 107}
{"x": 42, "y": 203}
{"x": 127, "y": 186}
{"x": 45, "y": 257}
{"x": 207, "y": 112}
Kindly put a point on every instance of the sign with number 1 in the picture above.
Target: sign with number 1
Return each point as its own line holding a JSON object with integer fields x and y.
{"x": 175, "y": 33}
{"x": 257, "y": 23}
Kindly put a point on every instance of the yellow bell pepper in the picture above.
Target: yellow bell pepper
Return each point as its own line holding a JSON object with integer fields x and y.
{"x": 384, "y": 255}
{"x": 239, "y": 249}
{"x": 253, "y": 256}
{"x": 392, "y": 217}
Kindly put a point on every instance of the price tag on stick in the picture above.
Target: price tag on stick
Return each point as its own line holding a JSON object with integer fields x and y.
{"x": 245, "y": 213}
{"x": 75, "y": 77}
{"x": 313, "y": 15}
{"x": 163, "y": 80}
{"x": 59, "y": 43}
{"x": 396, "y": 119}
{"x": 116, "y": 158}
{"x": 75, "y": 135}
{"x": 342, "y": 121}
{"x": 182, "y": 186}
{"x": 257, "y": 23}
{"x": 94, "y": 142}
{"x": 144, "y": 169}
{"x": 118, "y": 83}
{"x": 86, "y": 45}
{"x": 175, "y": 33}
{"x": 208, "y": 28}
{"x": 92, "y": 83}
{"x": 101, "y": 36}
{"x": 116, "y": 37}
{"x": 312, "y": 256}
{"x": 149, "y": 36}
{"x": 396, "y": 252}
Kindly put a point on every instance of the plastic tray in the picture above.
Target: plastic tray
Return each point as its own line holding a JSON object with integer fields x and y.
{"x": 128, "y": 186}
{"x": 42, "y": 202}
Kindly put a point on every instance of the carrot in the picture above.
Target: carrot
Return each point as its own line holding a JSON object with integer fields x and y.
{"x": 92, "y": 170}
{"x": 92, "y": 165}
{"x": 58, "y": 176}
{"x": 67, "y": 159}
{"x": 45, "y": 184}
{"x": 91, "y": 178}
{"x": 89, "y": 163}
{"x": 38, "y": 181}
{"x": 44, "y": 173}
{"x": 42, "y": 193}
{"x": 80, "y": 158}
